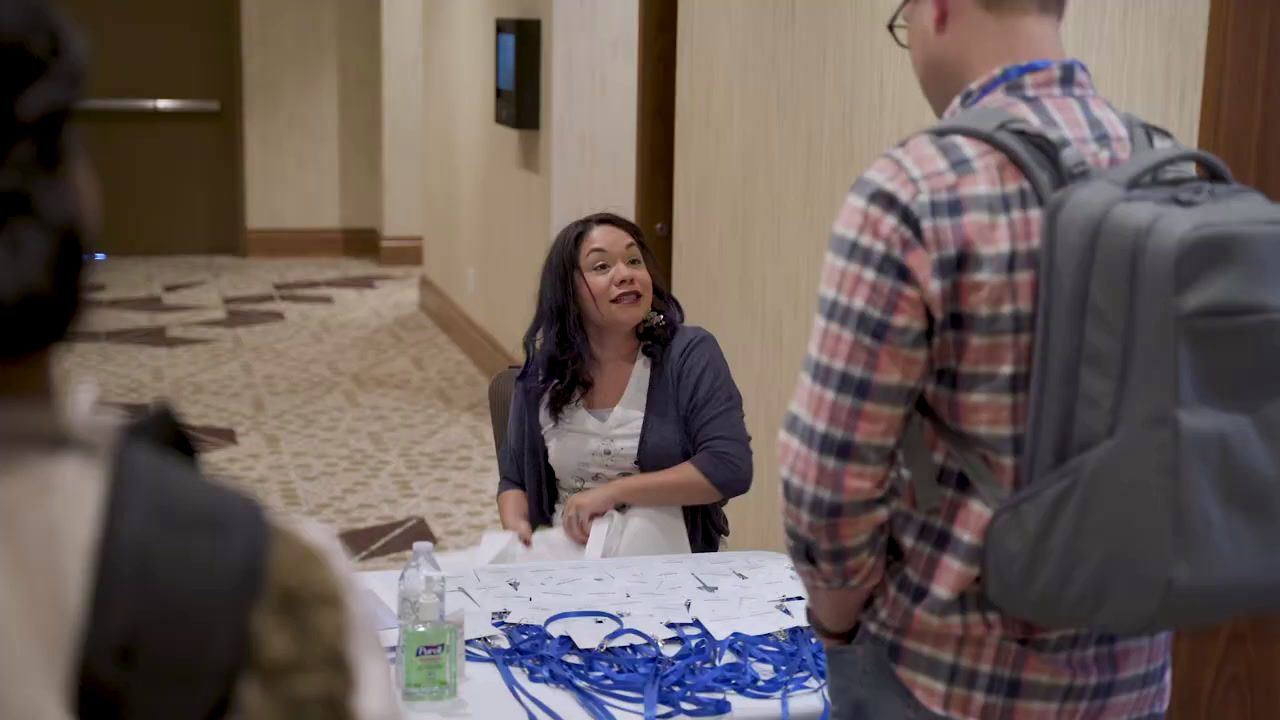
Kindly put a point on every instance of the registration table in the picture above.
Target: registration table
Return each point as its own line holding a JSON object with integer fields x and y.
{"x": 753, "y": 593}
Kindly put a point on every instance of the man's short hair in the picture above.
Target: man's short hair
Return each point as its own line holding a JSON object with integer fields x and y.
{"x": 1056, "y": 8}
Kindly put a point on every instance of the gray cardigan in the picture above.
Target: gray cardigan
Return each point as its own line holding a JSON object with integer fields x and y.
{"x": 693, "y": 413}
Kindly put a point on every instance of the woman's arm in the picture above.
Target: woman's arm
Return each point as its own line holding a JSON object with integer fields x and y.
{"x": 683, "y": 484}
{"x": 513, "y": 512}
{"x": 720, "y": 468}
{"x": 513, "y": 500}
{"x": 711, "y": 406}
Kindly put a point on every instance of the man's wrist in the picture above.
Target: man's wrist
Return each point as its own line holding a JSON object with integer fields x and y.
{"x": 835, "y": 635}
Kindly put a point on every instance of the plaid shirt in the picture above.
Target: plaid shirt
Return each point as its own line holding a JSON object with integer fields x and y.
{"x": 929, "y": 287}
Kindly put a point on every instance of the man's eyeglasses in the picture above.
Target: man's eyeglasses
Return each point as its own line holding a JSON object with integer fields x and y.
{"x": 898, "y": 26}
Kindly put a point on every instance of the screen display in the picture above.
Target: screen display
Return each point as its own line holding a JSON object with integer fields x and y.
{"x": 506, "y": 62}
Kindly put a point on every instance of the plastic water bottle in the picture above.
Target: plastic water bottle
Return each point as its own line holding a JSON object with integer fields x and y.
{"x": 427, "y": 653}
{"x": 427, "y": 551}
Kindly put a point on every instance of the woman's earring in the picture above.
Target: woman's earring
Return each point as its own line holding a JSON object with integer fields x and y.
{"x": 655, "y": 319}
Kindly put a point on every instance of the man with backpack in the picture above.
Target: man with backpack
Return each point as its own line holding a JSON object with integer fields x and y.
{"x": 1032, "y": 433}
{"x": 131, "y": 587}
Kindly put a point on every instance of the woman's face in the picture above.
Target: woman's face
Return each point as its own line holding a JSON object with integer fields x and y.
{"x": 615, "y": 290}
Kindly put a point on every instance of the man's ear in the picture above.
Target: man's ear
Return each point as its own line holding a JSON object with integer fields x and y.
{"x": 941, "y": 16}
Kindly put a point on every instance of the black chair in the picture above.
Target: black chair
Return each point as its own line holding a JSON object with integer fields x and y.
{"x": 500, "y": 390}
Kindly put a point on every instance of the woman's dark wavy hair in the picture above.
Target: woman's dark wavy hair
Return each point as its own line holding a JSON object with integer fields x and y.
{"x": 40, "y": 214}
{"x": 555, "y": 346}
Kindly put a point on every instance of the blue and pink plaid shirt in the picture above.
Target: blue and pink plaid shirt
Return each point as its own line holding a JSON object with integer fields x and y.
{"x": 929, "y": 288}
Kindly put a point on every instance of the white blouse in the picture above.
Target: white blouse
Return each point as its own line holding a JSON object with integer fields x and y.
{"x": 588, "y": 448}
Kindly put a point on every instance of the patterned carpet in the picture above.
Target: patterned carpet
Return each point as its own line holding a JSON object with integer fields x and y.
{"x": 316, "y": 385}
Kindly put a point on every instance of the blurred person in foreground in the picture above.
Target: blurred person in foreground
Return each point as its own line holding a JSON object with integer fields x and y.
{"x": 129, "y": 586}
{"x": 928, "y": 295}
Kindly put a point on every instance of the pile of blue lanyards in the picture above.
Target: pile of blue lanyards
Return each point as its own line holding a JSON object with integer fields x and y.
{"x": 642, "y": 680}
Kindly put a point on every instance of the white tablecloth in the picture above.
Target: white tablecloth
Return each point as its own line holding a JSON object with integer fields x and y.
{"x": 484, "y": 695}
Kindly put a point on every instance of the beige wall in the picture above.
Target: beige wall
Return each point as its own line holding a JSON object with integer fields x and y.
{"x": 403, "y": 162}
{"x": 359, "y": 108}
{"x": 486, "y": 198}
{"x": 311, "y": 113}
{"x": 593, "y": 133}
{"x": 779, "y": 106}
{"x": 494, "y": 197}
{"x": 290, "y": 148}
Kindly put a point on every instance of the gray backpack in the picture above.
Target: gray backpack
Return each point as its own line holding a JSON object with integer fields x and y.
{"x": 1150, "y": 496}
{"x": 181, "y": 563}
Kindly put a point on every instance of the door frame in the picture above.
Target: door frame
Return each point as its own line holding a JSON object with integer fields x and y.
{"x": 656, "y": 127}
{"x": 237, "y": 102}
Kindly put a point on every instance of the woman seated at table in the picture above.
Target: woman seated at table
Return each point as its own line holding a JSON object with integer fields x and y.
{"x": 619, "y": 404}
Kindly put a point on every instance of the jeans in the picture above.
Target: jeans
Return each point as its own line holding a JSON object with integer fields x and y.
{"x": 864, "y": 686}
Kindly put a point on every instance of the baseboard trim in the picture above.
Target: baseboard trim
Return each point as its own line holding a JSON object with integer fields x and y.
{"x": 400, "y": 250}
{"x": 476, "y": 342}
{"x": 361, "y": 242}
{"x": 319, "y": 242}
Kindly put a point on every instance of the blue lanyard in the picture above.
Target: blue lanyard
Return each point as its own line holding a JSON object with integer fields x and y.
{"x": 642, "y": 680}
{"x": 1015, "y": 72}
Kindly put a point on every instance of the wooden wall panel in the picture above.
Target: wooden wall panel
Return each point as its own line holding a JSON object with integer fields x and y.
{"x": 1233, "y": 671}
{"x": 1242, "y": 94}
{"x": 1228, "y": 673}
{"x": 593, "y": 56}
{"x": 1146, "y": 55}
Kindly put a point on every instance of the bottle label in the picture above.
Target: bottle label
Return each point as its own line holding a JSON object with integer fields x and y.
{"x": 427, "y": 656}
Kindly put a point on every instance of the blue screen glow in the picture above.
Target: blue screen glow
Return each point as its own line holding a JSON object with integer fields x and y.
{"x": 506, "y": 62}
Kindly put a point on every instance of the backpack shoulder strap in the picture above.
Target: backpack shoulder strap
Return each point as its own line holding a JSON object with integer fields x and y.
{"x": 180, "y": 565}
{"x": 1046, "y": 163}
{"x": 1146, "y": 137}
{"x": 922, "y": 471}
{"x": 1141, "y": 135}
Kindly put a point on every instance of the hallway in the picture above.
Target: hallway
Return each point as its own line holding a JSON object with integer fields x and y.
{"x": 316, "y": 385}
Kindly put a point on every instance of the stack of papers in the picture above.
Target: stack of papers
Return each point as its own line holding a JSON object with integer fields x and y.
{"x": 749, "y": 593}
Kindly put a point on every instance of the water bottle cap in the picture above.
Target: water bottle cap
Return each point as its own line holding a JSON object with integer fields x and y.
{"x": 424, "y": 547}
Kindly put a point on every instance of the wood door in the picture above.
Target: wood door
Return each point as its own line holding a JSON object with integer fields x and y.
{"x": 1233, "y": 672}
{"x": 1241, "y": 108}
{"x": 656, "y": 127}
{"x": 170, "y": 180}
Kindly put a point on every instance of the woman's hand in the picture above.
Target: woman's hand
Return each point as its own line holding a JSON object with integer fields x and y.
{"x": 584, "y": 507}
{"x": 523, "y": 530}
